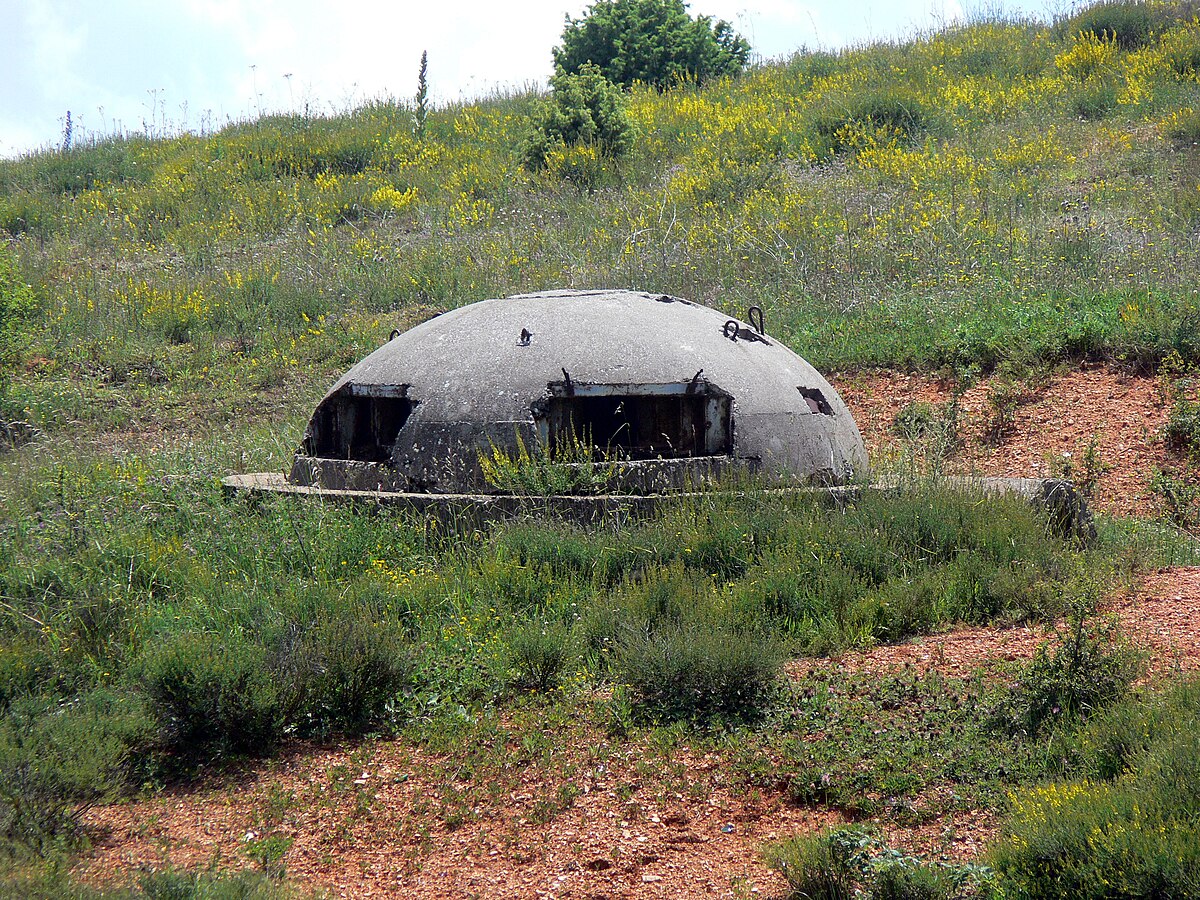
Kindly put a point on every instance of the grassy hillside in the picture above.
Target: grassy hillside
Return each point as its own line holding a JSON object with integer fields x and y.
{"x": 998, "y": 189}
{"x": 171, "y": 308}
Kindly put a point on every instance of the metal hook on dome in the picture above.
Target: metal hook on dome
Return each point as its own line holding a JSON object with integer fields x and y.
{"x": 731, "y": 330}
{"x": 761, "y": 325}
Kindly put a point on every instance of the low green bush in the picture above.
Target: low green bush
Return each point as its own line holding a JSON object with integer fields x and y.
{"x": 1094, "y": 100}
{"x": 1134, "y": 834}
{"x": 699, "y": 670}
{"x": 812, "y": 867}
{"x": 1092, "y": 667}
{"x": 853, "y": 863}
{"x": 169, "y": 884}
{"x": 213, "y": 696}
{"x": 1182, "y": 431}
{"x": 1179, "y": 496}
{"x": 56, "y": 759}
{"x": 343, "y": 675}
{"x": 1131, "y": 23}
{"x": 887, "y": 113}
{"x": 538, "y": 652}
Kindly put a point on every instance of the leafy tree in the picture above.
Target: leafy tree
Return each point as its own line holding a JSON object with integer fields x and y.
{"x": 653, "y": 41}
{"x": 583, "y": 109}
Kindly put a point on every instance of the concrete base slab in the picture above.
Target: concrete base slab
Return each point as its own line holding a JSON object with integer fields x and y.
{"x": 1065, "y": 506}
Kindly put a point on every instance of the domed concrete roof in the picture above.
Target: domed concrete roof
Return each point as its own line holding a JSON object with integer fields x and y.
{"x": 657, "y": 382}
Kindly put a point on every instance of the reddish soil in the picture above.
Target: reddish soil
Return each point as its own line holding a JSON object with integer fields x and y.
{"x": 371, "y": 821}
{"x": 622, "y": 837}
{"x": 1124, "y": 413}
{"x": 364, "y": 823}
{"x": 1161, "y": 618}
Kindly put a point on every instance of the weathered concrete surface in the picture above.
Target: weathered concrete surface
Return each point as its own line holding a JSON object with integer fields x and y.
{"x": 487, "y": 373}
{"x": 1065, "y": 508}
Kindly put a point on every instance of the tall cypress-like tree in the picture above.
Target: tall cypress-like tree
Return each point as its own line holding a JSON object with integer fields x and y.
{"x": 422, "y": 108}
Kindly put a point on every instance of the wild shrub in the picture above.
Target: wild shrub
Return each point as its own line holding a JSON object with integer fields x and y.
{"x": 1182, "y": 431}
{"x": 1179, "y": 496}
{"x": 682, "y": 652}
{"x": 1091, "y": 668}
{"x": 1095, "y": 100}
{"x": 698, "y": 669}
{"x": 343, "y": 675}
{"x": 813, "y": 867}
{"x": 1004, "y": 398}
{"x": 931, "y": 429}
{"x": 55, "y": 760}
{"x": 17, "y": 303}
{"x": 1181, "y": 46}
{"x": 914, "y": 421}
{"x": 1182, "y": 129}
{"x": 213, "y": 696}
{"x": 847, "y": 863}
{"x": 17, "y": 299}
{"x": 583, "y": 110}
{"x": 1129, "y": 23}
{"x": 84, "y": 166}
{"x": 1129, "y": 829}
{"x": 573, "y": 466}
{"x": 1084, "y": 469}
{"x": 885, "y": 114}
{"x": 538, "y": 653}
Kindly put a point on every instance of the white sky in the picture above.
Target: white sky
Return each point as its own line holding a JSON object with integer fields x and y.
{"x": 159, "y": 66}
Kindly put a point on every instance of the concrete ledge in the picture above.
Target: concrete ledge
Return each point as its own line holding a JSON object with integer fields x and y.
{"x": 1065, "y": 507}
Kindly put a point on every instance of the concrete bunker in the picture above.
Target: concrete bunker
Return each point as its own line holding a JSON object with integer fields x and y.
{"x": 664, "y": 392}
{"x": 668, "y": 390}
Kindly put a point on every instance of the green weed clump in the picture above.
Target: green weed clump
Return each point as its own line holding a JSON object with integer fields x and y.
{"x": 214, "y": 696}
{"x": 169, "y": 884}
{"x": 845, "y": 863}
{"x": 1179, "y": 496}
{"x": 572, "y": 466}
{"x": 1130, "y": 23}
{"x": 17, "y": 304}
{"x": 539, "y": 651}
{"x": 58, "y": 758}
{"x": 1182, "y": 431}
{"x": 1127, "y": 829}
{"x": 881, "y": 116}
{"x": 218, "y": 696}
{"x": 1091, "y": 668}
{"x": 907, "y": 748}
{"x": 699, "y": 670}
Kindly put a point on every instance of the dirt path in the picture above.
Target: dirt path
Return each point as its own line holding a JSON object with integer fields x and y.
{"x": 363, "y": 822}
